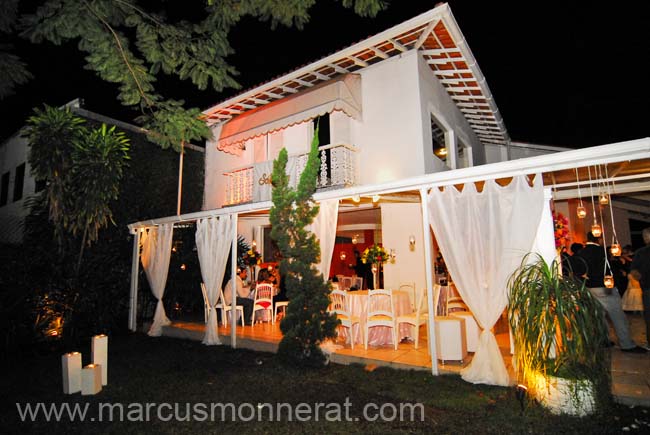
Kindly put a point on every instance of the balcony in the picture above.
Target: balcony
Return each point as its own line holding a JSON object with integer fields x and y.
{"x": 253, "y": 183}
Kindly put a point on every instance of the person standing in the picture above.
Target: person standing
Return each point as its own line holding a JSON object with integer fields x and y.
{"x": 640, "y": 270}
{"x": 243, "y": 295}
{"x": 593, "y": 270}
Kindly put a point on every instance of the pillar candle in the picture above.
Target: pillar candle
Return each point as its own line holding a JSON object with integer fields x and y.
{"x": 91, "y": 379}
{"x": 71, "y": 367}
{"x": 100, "y": 354}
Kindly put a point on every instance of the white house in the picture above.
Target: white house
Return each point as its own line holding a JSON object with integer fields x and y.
{"x": 401, "y": 114}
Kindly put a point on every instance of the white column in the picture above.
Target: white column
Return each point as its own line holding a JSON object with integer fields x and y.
{"x": 233, "y": 288}
{"x": 99, "y": 350}
{"x": 135, "y": 268}
{"x": 71, "y": 368}
{"x": 429, "y": 277}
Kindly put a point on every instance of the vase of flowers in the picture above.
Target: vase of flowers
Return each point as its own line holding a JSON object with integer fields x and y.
{"x": 377, "y": 256}
{"x": 561, "y": 230}
{"x": 251, "y": 259}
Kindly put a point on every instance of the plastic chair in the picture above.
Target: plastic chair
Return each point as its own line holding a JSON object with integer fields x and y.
{"x": 339, "y": 306}
{"x": 417, "y": 318}
{"x": 263, "y": 301}
{"x": 380, "y": 317}
{"x": 226, "y": 308}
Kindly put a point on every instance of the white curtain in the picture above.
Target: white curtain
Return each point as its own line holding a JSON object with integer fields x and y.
{"x": 156, "y": 249}
{"x": 213, "y": 241}
{"x": 324, "y": 228}
{"x": 483, "y": 238}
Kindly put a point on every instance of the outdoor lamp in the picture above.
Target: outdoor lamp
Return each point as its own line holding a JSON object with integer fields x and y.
{"x": 393, "y": 255}
{"x": 412, "y": 242}
{"x": 615, "y": 249}
{"x": 609, "y": 281}
{"x": 603, "y": 198}
{"x": 596, "y": 230}
{"x": 582, "y": 212}
{"x": 520, "y": 393}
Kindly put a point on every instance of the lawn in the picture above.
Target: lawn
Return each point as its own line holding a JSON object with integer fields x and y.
{"x": 161, "y": 370}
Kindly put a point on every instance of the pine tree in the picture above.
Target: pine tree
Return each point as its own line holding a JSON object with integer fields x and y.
{"x": 307, "y": 322}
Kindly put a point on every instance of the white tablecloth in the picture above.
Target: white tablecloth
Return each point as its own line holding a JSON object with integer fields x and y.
{"x": 379, "y": 335}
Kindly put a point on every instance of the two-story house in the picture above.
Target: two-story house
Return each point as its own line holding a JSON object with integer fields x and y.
{"x": 400, "y": 114}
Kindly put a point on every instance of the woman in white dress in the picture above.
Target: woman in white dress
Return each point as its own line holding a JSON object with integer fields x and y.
{"x": 632, "y": 300}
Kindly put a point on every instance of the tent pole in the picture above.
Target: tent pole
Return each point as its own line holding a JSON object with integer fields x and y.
{"x": 135, "y": 268}
{"x": 180, "y": 179}
{"x": 428, "y": 273}
{"x": 233, "y": 286}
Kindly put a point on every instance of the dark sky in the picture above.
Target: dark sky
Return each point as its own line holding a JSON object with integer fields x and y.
{"x": 562, "y": 74}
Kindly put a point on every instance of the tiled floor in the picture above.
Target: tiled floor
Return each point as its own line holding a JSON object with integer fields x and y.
{"x": 630, "y": 372}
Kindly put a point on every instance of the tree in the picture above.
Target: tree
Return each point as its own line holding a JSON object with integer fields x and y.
{"x": 129, "y": 45}
{"x": 82, "y": 169}
{"x": 307, "y": 322}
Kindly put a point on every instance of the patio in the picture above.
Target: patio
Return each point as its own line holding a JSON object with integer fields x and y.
{"x": 630, "y": 372}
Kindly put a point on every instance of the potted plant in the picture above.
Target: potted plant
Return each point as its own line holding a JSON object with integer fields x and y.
{"x": 560, "y": 338}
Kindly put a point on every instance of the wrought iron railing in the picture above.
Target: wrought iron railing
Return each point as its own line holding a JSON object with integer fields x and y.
{"x": 253, "y": 183}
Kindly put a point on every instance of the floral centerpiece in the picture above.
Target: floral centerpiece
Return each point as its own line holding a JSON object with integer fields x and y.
{"x": 561, "y": 229}
{"x": 375, "y": 254}
{"x": 252, "y": 257}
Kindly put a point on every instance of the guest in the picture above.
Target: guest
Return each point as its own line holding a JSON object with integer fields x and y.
{"x": 640, "y": 269}
{"x": 243, "y": 295}
{"x": 592, "y": 270}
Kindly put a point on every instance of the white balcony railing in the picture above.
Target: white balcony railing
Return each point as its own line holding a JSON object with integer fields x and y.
{"x": 253, "y": 183}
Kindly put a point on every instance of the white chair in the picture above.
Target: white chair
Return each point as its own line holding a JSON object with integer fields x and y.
{"x": 280, "y": 304}
{"x": 226, "y": 308}
{"x": 206, "y": 303}
{"x": 455, "y": 304}
{"x": 409, "y": 287}
{"x": 380, "y": 317}
{"x": 263, "y": 301}
{"x": 339, "y": 305}
{"x": 346, "y": 283}
{"x": 358, "y": 282}
{"x": 418, "y": 317}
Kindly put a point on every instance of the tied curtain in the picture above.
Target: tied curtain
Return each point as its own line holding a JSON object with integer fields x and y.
{"x": 324, "y": 228}
{"x": 483, "y": 237}
{"x": 213, "y": 241}
{"x": 156, "y": 246}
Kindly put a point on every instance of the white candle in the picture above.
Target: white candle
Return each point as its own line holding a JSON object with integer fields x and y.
{"x": 100, "y": 354}
{"x": 91, "y": 380}
{"x": 71, "y": 368}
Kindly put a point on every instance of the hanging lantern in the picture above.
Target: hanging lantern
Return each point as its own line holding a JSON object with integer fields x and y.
{"x": 615, "y": 249}
{"x": 603, "y": 198}
{"x": 582, "y": 212}
{"x": 609, "y": 281}
{"x": 596, "y": 230}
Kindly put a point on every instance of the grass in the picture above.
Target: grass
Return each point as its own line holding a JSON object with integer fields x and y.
{"x": 158, "y": 370}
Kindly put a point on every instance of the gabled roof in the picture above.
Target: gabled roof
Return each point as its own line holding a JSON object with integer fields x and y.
{"x": 438, "y": 38}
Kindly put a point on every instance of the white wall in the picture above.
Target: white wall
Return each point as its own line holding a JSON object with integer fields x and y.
{"x": 435, "y": 99}
{"x": 398, "y": 223}
{"x": 13, "y": 153}
{"x": 389, "y": 137}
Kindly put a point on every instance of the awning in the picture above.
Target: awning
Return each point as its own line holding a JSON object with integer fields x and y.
{"x": 342, "y": 93}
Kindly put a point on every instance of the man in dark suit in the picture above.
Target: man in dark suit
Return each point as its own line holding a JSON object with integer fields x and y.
{"x": 593, "y": 271}
{"x": 641, "y": 271}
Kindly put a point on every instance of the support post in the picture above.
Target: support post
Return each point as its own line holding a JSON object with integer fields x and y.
{"x": 233, "y": 287}
{"x": 135, "y": 269}
{"x": 429, "y": 277}
{"x": 180, "y": 179}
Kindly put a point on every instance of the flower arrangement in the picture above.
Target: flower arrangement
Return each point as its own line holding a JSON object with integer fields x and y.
{"x": 561, "y": 227}
{"x": 252, "y": 257}
{"x": 375, "y": 254}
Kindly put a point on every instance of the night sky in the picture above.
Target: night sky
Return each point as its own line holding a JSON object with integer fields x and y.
{"x": 567, "y": 75}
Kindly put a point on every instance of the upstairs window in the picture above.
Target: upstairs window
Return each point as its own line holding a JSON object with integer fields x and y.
{"x": 323, "y": 123}
{"x": 19, "y": 182}
{"x": 438, "y": 144}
